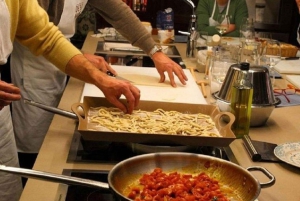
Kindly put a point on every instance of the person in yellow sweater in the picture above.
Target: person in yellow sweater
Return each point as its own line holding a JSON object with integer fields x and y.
{"x": 26, "y": 22}
{"x": 48, "y": 84}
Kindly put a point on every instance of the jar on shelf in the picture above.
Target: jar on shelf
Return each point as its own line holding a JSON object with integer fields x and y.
{"x": 259, "y": 12}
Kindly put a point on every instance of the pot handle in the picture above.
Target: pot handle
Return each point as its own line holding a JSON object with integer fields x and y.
{"x": 46, "y": 176}
{"x": 78, "y": 109}
{"x": 265, "y": 172}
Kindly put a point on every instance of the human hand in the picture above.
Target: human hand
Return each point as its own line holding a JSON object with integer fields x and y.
{"x": 100, "y": 63}
{"x": 298, "y": 4}
{"x": 80, "y": 68}
{"x": 164, "y": 63}
{"x": 231, "y": 28}
{"x": 113, "y": 89}
{"x": 8, "y": 93}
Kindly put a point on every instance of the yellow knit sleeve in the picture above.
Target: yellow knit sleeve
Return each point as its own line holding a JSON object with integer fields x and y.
{"x": 41, "y": 36}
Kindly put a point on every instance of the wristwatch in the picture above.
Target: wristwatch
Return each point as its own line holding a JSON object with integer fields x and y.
{"x": 156, "y": 48}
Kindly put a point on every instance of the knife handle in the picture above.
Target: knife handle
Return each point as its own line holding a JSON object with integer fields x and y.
{"x": 132, "y": 61}
{"x": 291, "y": 58}
{"x": 110, "y": 73}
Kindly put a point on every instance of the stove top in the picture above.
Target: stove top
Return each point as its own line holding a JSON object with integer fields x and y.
{"x": 106, "y": 153}
{"x": 114, "y": 152}
{"x": 81, "y": 193}
{"x": 98, "y": 152}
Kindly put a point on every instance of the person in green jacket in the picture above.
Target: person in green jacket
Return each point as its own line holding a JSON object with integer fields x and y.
{"x": 207, "y": 12}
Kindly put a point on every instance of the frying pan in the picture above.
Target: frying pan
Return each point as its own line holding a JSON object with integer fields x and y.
{"x": 128, "y": 171}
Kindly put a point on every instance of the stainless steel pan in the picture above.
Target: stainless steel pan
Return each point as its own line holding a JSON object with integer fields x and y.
{"x": 247, "y": 188}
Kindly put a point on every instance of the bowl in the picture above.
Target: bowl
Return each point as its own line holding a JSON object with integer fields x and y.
{"x": 263, "y": 101}
{"x": 259, "y": 114}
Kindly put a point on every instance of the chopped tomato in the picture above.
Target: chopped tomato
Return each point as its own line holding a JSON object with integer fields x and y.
{"x": 159, "y": 186}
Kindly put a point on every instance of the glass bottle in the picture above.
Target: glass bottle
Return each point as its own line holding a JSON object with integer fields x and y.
{"x": 247, "y": 31}
{"x": 208, "y": 67}
{"x": 241, "y": 101}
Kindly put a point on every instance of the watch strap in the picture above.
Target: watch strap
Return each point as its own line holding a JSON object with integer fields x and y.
{"x": 156, "y": 48}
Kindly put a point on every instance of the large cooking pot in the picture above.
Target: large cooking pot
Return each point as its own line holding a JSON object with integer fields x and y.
{"x": 126, "y": 172}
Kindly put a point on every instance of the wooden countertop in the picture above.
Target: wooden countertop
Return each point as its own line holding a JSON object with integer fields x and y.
{"x": 282, "y": 126}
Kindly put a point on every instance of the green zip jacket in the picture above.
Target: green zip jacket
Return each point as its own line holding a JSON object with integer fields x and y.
{"x": 238, "y": 11}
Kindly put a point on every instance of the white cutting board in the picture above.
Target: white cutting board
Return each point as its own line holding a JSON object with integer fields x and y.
{"x": 288, "y": 66}
{"x": 294, "y": 79}
{"x": 146, "y": 79}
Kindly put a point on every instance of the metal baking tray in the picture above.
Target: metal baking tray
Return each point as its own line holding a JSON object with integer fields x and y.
{"x": 211, "y": 110}
{"x": 121, "y": 49}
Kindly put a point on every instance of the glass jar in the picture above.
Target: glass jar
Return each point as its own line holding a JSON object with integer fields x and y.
{"x": 259, "y": 12}
{"x": 247, "y": 31}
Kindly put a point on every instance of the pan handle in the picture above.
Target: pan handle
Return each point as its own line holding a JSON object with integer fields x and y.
{"x": 51, "y": 109}
{"x": 77, "y": 108}
{"x": 265, "y": 172}
{"x": 46, "y": 176}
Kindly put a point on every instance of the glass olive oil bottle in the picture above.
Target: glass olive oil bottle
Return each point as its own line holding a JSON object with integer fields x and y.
{"x": 241, "y": 101}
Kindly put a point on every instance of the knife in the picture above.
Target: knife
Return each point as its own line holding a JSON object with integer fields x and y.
{"x": 290, "y": 58}
{"x": 116, "y": 76}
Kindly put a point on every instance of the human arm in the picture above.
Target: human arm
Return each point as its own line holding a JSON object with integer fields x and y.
{"x": 100, "y": 63}
{"x": 80, "y": 68}
{"x": 238, "y": 12}
{"x": 203, "y": 12}
{"x": 43, "y": 38}
{"x": 298, "y": 4}
{"x": 119, "y": 15}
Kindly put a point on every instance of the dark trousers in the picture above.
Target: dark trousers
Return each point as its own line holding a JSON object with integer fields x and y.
{"x": 27, "y": 161}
